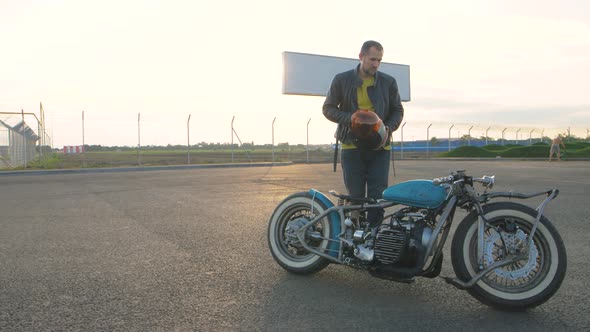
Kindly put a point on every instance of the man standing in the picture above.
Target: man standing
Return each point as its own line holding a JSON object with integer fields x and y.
{"x": 353, "y": 93}
{"x": 555, "y": 144}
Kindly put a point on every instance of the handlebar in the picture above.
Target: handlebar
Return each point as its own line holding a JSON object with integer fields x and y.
{"x": 444, "y": 179}
{"x": 487, "y": 181}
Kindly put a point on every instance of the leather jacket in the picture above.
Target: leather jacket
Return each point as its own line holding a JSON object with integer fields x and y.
{"x": 341, "y": 101}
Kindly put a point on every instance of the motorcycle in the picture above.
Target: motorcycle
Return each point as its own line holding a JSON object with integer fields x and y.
{"x": 505, "y": 254}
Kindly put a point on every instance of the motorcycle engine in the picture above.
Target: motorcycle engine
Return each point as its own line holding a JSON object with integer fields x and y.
{"x": 390, "y": 245}
{"x": 401, "y": 242}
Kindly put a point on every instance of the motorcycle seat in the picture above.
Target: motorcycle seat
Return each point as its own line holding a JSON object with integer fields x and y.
{"x": 352, "y": 198}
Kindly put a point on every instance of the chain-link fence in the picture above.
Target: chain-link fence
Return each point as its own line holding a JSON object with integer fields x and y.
{"x": 20, "y": 144}
{"x": 17, "y": 145}
{"x": 412, "y": 140}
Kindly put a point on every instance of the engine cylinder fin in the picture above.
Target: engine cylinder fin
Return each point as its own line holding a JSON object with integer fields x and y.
{"x": 389, "y": 245}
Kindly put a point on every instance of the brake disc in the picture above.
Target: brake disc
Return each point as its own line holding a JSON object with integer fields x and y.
{"x": 498, "y": 246}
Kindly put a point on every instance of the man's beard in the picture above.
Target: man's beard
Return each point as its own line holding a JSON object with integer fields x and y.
{"x": 369, "y": 71}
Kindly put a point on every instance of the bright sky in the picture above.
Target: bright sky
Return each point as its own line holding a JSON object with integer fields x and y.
{"x": 491, "y": 63}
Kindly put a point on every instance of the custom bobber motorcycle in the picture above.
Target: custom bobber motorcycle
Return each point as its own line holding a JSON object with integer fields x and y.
{"x": 506, "y": 254}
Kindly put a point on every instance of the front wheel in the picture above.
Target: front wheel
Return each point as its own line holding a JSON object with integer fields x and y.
{"x": 291, "y": 214}
{"x": 520, "y": 285}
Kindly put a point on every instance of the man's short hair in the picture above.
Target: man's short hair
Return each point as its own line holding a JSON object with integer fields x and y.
{"x": 370, "y": 43}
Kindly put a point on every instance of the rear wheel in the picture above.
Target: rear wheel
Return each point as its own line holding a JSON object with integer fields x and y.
{"x": 293, "y": 213}
{"x": 520, "y": 285}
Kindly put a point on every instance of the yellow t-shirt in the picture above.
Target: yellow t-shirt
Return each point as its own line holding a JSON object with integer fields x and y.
{"x": 363, "y": 97}
{"x": 364, "y": 103}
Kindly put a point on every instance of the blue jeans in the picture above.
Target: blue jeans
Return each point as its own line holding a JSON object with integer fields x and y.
{"x": 366, "y": 173}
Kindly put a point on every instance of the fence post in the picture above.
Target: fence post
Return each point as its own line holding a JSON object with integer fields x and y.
{"x": 232, "y": 139}
{"x": 138, "y": 140}
{"x": 450, "y": 136}
{"x": 24, "y": 136}
{"x": 83, "y": 143}
{"x": 188, "y": 139}
{"x": 273, "y": 140}
{"x": 428, "y": 141}
{"x": 402, "y": 141}
{"x": 41, "y": 158}
{"x": 308, "y": 140}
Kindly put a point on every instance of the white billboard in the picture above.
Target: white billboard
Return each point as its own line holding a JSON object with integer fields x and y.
{"x": 311, "y": 74}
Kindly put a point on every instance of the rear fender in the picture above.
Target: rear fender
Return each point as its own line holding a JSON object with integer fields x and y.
{"x": 333, "y": 219}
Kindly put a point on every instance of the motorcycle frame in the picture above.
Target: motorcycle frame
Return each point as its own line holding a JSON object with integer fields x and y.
{"x": 457, "y": 189}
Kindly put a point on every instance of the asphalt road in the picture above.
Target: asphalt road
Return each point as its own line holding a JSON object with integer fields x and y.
{"x": 183, "y": 250}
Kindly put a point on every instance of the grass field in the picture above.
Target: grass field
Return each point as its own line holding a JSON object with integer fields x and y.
{"x": 168, "y": 157}
{"x": 178, "y": 157}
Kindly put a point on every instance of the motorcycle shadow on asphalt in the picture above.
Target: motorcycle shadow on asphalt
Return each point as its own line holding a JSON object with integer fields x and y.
{"x": 342, "y": 297}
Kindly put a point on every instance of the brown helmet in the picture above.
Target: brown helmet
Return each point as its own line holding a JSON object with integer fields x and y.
{"x": 368, "y": 131}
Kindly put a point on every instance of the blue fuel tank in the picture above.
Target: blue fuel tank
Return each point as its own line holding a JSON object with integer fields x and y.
{"x": 418, "y": 193}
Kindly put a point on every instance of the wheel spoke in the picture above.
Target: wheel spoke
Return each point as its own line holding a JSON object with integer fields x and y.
{"x": 290, "y": 244}
{"x": 499, "y": 245}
